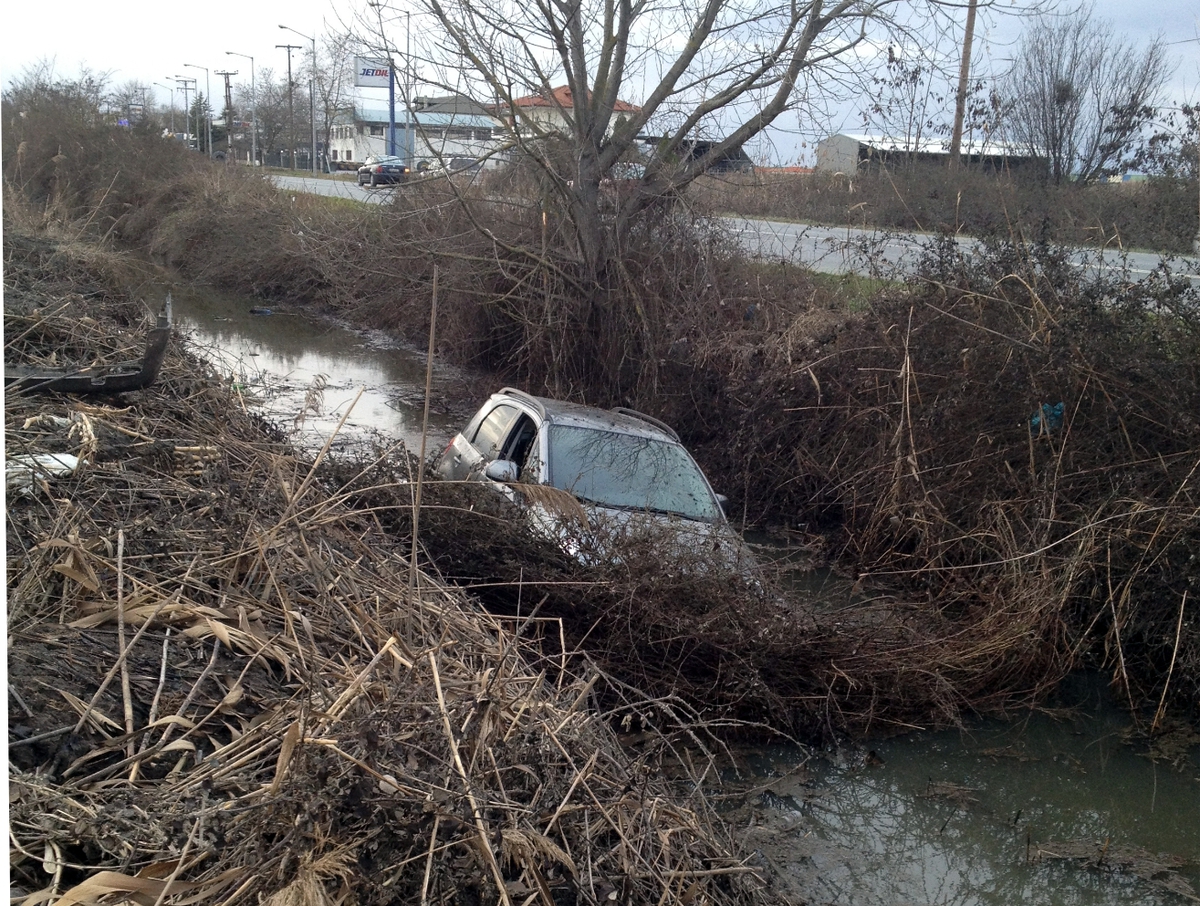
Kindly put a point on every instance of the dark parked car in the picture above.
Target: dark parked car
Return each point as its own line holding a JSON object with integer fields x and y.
{"x": 378, "y": 171}
{"x": 628, "y": 470}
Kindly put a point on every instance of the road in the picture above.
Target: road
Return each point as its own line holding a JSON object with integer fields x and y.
{"x": 830, "y": 250}
{"x": 838, "y": 250}
{"x": 339, "y": 187}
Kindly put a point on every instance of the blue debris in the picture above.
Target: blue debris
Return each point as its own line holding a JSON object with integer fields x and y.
{"x": 260, "y": 311}
{"x": 1048, "y": 421}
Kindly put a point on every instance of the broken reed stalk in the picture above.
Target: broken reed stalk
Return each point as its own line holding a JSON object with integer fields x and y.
{"x": 108, "y": 677}
{"x": 126, "y": 694}
{"x": 412, "y": 582}
{"x": 1162, "y": 702}
{"x": 484, "y": 837}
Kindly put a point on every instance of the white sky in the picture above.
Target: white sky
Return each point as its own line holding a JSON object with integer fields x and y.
{"x": 149, "y": 42}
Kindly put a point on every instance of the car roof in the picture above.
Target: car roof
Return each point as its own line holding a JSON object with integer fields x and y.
{"x": 621, "y": 420}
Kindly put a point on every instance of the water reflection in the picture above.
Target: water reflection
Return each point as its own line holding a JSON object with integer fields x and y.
{"x": 306, "y": 374}
{"x": 956, "y": 818}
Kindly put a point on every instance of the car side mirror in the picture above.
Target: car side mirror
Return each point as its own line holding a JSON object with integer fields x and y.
{"x": 504, "y": 470}
{"x": 722, "y": 501}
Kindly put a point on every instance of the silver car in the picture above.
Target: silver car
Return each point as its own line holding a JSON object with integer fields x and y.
{"x": 620, "y": 469}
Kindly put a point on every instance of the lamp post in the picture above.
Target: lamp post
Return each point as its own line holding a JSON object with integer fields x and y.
{"x": 172, "y": 90}
{"x": 410, "y": 139}
{"x": 406, "y": 88}
{"x": 187, "y": 110}
{"x": 208, "y": 103}
{"x": 312, "y": 93}
{"x": 253, "y": 108}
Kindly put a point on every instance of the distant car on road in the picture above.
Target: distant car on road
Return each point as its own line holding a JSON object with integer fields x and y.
{"x": 383, "y": 170}
{"x": 449, "y": 166}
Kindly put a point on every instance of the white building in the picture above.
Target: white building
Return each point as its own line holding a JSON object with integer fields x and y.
{"x": 551, "y": 111}
{"x": 436, "y": 130}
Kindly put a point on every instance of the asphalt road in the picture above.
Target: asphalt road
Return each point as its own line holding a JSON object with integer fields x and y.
{"x": 830, "y": 250}
{"x": 339, "y": 187}
{"x": 838, "y": 250}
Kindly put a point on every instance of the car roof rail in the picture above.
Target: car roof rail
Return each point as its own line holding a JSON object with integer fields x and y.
{"x": 525, "y": 398}
{"x": 633, "y": 413}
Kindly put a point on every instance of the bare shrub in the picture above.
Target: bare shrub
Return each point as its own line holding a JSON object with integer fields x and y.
{"x": 1159, "y": 213}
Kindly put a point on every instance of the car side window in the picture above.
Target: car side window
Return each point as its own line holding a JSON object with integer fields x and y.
{"x": 493, "y": 431}
{"x": 520, "y": 440}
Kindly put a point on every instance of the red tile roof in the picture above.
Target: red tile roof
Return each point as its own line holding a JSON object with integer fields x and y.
{"x": 561, "y": 97}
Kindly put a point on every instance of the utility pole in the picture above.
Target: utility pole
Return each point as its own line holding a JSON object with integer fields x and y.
{"x": 291, "y": 107}
{"x": 960, "y": 102}
{"x": 187, "y": 110}
{"x": 312, "y": 94}
{"x": 207, "y": 104}
{"x": 228, "y": 111}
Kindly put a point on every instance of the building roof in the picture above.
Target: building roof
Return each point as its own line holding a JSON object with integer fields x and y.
{"x": 562, "y": 97}
{"x": 429, "y": 117}
{"x": 939, "y": 145}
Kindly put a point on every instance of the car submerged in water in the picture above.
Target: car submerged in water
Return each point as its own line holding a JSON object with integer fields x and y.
{"x": 588, "y": 477}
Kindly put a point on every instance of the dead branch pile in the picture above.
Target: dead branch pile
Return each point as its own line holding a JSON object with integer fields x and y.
{"x": 226, "y": 686}
{"x": 1009, "y": 438}
{"x": 710, "y": 643}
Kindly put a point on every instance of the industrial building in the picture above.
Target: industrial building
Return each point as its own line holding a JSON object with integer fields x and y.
{"x": 857, "y": 153}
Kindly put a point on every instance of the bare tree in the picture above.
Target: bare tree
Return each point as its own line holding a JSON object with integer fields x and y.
{"x": 701, "y": 76}
{"x": 1080, "y": 96}
{"x": 129, "y": 100}
{"x": 905, "y": 101}
{"x": 271, "y": 108}
{"x": 38, "y": 86}
{"x": 333, "y": 83}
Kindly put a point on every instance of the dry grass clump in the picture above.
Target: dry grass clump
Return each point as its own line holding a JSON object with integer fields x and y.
{"x": 227, "y": 686}
{"x": 1159, "y": 213}
{"x": 1011, "y": 440}
{"x": 711, "y": 643}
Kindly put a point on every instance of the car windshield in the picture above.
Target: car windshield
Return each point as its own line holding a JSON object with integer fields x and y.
{"x": 630, "y": 472}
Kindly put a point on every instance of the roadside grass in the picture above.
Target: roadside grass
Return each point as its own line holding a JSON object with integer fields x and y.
{"x": 850, "y": 292}
{"x": 1158, "y": 215}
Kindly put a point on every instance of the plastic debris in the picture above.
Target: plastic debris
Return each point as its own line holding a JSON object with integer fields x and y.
{"x": 1048, "y": 420}
{"x": 20, "y": 472}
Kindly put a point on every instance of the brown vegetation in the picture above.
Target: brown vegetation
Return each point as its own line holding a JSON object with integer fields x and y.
{"x": 1159, "y": 214}
{"x": 227, "y": 685}
{"x": 900, "y": 434}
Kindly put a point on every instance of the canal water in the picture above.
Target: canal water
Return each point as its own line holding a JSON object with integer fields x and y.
{"x": 308, "y": 375}
{"x": 986, "y": 815}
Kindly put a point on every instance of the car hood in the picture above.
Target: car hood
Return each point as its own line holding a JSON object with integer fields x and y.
{"x": 594, "y": 534}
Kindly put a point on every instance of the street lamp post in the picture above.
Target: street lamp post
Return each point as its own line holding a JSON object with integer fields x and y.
{"x": 253, "y": 108}
{"x": 312, "y": 93}
{"x": 208, "y": 103}
{"x": 291, "y": 107}
{"x": 172, "y": 90}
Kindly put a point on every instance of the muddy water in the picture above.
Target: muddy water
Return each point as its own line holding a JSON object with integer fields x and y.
{"x": 307, "y": 375}
{"x": 977, "y": 817}
{"x": 930, "y": 818}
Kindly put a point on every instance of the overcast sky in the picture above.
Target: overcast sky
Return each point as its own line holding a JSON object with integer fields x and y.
{"x": 149, "y": 42}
